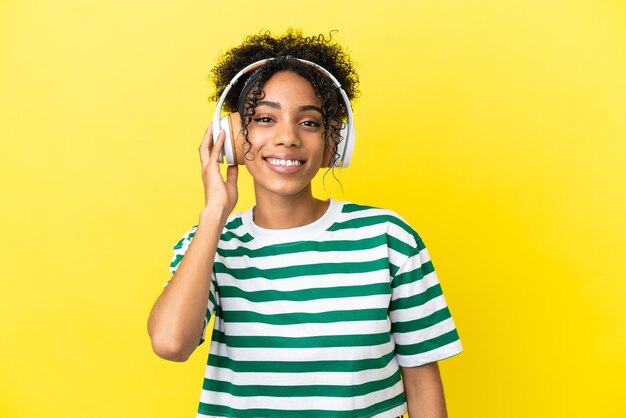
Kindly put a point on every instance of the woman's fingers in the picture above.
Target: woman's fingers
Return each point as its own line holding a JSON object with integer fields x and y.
{"x": 231, "y": 175}
{"x": 205, "y": 146}
{"x": 210, "y": 152}
{"x": 217, "y": 191}
{"x": 217, "y": 148}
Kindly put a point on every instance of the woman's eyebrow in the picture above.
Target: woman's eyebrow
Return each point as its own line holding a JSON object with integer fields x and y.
{"x": 310, "y": 107}
{"x": 274, "y": 105}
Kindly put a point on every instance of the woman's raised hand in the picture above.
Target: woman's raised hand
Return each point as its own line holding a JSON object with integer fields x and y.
{"x": 219, "y": 195}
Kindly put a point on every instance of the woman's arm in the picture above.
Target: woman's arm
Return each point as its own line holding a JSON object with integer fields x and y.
{"x": 177, "y": 318}
{"x": 424, "y": 391}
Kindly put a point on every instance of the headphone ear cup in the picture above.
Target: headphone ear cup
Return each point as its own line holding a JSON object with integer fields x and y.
{"x": 234, "y": 143}
{"x": 227, "y": 151}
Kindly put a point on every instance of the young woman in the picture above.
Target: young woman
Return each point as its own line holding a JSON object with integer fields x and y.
{"x": 322, "y": 308}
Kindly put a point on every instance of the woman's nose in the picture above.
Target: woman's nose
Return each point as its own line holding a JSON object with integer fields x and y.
{"x": 287, "y": 134}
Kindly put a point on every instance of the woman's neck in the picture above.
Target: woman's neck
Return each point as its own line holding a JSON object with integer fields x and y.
{"x": 284, "y": 212}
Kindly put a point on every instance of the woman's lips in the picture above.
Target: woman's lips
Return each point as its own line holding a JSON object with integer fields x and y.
{"x": 283, "y": 162}
{"x": 284, "y": 165}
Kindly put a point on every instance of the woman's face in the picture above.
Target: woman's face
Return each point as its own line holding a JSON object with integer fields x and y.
{"x": 287, "y": 136}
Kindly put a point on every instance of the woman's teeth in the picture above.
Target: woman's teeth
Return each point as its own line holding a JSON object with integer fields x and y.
{"x": 284, "y": 163}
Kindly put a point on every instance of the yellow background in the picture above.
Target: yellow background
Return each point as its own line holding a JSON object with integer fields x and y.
{"x": 496, "y": 127}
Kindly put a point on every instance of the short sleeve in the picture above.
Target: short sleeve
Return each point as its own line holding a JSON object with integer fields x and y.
{"x": 421, "y": 324}
{"x": 180, "y": 249}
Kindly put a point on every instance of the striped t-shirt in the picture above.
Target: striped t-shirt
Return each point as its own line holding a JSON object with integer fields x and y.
{"x": 315, "y": 321}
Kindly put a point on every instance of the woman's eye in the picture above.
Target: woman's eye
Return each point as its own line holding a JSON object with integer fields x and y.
{"x": 311, "y": 124}
{"x": 263, "y": 119}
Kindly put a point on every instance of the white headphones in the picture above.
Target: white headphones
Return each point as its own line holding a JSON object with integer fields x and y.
{"x": 345, "y": 146}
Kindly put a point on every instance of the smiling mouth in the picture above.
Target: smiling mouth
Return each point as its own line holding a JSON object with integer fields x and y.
{"x": 283, "y": 163}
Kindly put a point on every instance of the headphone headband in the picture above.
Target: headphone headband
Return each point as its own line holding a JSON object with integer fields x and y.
{"x": 345, "y": 145}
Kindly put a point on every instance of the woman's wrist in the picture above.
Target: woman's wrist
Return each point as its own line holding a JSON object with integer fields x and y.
{"x": 212, "y": 215}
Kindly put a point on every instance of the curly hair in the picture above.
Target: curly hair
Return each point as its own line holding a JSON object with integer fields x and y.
{"x": 285, "y": 49}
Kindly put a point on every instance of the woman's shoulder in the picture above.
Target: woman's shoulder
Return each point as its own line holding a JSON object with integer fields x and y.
{"x": 360, "y": 210}
{"x": 233, "y": 223}
{"x": 367, "y": 210}
{"x": 362, "y": 215}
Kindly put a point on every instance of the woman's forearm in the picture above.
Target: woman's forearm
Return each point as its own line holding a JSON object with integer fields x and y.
{"x": 177, "y": 318}
{"x": 424, "y": 391}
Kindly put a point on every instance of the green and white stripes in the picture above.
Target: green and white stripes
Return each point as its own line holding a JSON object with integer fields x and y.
{"x": 314, "y": 321}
